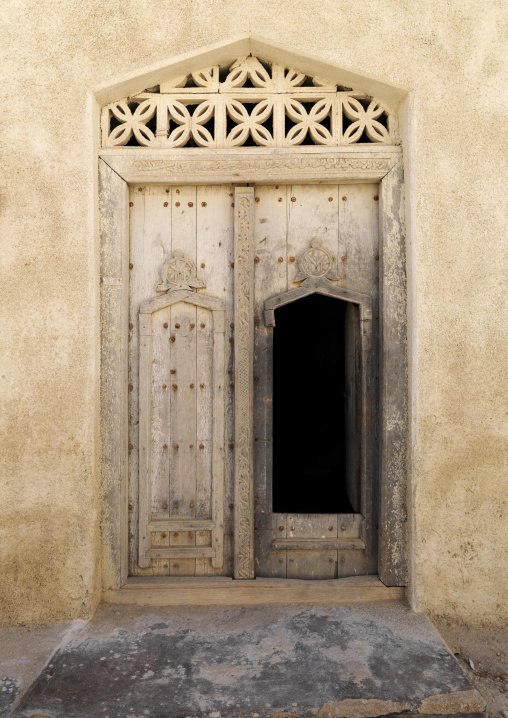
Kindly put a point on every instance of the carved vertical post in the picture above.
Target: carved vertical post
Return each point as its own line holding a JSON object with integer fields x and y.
{"x": 244, "y": 351}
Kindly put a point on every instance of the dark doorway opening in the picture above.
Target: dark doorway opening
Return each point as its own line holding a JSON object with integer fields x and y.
{"x": 309, "y": 407}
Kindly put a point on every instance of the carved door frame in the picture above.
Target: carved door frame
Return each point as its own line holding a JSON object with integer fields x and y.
{"x": 123, "y": 166}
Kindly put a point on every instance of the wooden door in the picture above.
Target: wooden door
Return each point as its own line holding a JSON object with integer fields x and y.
{"x": 180, "y": 380}
{"x": 338, "y": 225}
{"x": 182, "y": 374}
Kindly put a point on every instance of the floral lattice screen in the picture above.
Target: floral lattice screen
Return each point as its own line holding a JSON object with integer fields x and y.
{"x": 251, "y": 103}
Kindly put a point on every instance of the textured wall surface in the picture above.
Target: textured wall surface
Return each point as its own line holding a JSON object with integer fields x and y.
{"x": 451, "y": 58}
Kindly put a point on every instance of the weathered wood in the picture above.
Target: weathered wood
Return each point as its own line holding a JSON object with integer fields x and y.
{"x": 204, "y": 492}
{"x": 270, "y": 277}
{"x": 304, "y": 165}
{"x": 393, "y": 450}
{"x": 217, "y": 468}
{"x": 319, "y": 563}
{"x": 315, "y": 215}
{"x": 181, "y": 552}
{"x": 244, "y": 345}
{"x": 393, "y": 384}
{"x": 181, "y": 525}
{"x": 114, "y": 342}
{"x": 180, "y": 330}
{"x": 296, "y": 544}
{"x": 207, "y": 591}
{"x": 145, "y": 436}
{"x": 359, "y": 235}
{"x": 318, "y": 287}
{"x": 352, "y": 347}
{"x": 214, "y": 257}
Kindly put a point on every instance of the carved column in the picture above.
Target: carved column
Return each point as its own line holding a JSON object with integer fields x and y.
{"x": 244, "y": 352}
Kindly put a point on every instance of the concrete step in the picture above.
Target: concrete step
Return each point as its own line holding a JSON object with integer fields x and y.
{"x": 359, "y": 660}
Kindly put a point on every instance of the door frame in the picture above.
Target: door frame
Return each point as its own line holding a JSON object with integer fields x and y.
{"x": 118, "y": 168}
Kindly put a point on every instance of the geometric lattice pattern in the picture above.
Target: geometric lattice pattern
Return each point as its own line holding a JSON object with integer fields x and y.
{"x": 251, "y": 103}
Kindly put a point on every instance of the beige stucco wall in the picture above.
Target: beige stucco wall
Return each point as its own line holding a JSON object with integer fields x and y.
{"x": 451, "y": 57}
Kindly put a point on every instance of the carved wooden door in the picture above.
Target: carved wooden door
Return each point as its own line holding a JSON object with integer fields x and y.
{"x": 315, "y": 285}
{"x": 210, "y": 268}
{"x": 180, "y": 380}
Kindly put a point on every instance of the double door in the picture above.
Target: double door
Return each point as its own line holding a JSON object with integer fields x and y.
{"x": 314, "y": 285}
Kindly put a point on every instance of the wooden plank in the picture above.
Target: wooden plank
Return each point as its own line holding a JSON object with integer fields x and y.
{"x": 244, "y": 345}
{"x": 150, "y": 241}
{"x": 270, "y": 277}
{"x": 183, "y": 399}
{"x": 181, "y": 552}
{"x": 352, "y": 349}
{"x": 359, "y": 233}
{"x": 259, "y": 591}
{"x": 359, "y": 237}
{"x": 145, "y": 436}
{"x": 393, "y": 383}
{"x": 204, "y": 432}
{"x": 160, "y": 428}
{"x": 215, "y": 252}
{"x": 312, "y": 564}
{"x": 213, "y": 223}
{"x": 183, "y": 428}
{"x": 313, "y": 213}
{"x": 180, "y": 525}
{"x": 114, "y": 261}
{"x": 317, "y": 545}
{"x": 137, "y": 293}
{"x": 156, "y": 246}
{"x": 218, "y": 405}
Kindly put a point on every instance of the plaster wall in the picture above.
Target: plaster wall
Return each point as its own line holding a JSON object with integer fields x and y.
{"x": 451, "y": 58}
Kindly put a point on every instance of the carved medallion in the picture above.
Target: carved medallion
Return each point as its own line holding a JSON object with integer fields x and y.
{"x": 179, "y": 272}
{"x": 316, "y": 263}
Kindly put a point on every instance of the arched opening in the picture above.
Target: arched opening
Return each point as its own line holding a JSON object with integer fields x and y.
{"x": 313, "y": 376}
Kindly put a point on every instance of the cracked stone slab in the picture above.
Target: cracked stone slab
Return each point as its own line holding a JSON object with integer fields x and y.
{"x": 348, "y": 661}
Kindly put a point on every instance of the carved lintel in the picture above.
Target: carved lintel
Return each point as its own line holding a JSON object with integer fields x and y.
{"x": 179, "y": 272}
{"x": 244, "y": 346}
{"x": 213, "y": 166}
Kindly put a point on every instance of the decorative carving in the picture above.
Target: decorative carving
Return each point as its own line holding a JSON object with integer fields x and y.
{"x": 249, "y": 124}
{"x": 270, "y": 104}
{"x": 364, "y": 119}
{"x": 190, "y": 125}
{"x": 308, "y": 122}
{"x": 316, "y": 264}
{"x": 132, "y": 123}
{"x": 244, "y": 549}
{"x": 179, "y": 272}
{"x": 274, "y": 165}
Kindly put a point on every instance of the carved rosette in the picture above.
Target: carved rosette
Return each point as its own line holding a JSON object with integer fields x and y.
{"x": 244, "y": 342}
{"x": 179, "y": 272}
{"x": 316, "y": 264}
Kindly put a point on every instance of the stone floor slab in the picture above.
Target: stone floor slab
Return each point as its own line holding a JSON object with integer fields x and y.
{"x": 357, "y": 661}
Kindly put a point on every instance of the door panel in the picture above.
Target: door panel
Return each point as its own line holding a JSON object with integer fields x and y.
{"x": 344, "y": 219}
{"x": 184, "y": 391}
